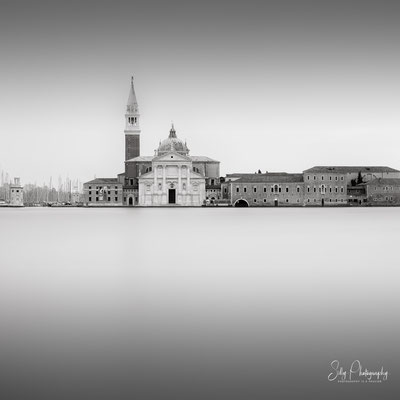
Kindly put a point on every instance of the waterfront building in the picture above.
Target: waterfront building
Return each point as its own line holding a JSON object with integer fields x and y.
{"x": 103, "y": 192}
{"x": 269, "y": 189}
{"x": 383, "y": 191}
{"x": 317, "y": 186}
{"x": 170, "y": 177}
{"x": 174, "y": 177}
{"x": 16, "y": 193}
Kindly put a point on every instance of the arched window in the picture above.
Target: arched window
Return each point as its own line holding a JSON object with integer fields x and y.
{"x": 276, "y": 188}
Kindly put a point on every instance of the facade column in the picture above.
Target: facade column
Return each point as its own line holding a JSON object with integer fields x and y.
{"x": 164, "y": 180}
{"x": 180, "y": 177}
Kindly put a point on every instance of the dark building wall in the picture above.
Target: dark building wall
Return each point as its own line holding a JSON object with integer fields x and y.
{"x": 330, "y": 187}
{"x": 383, "y": 194}
{"x": 103, "y": 193}
{"x": 132, "y": 146}
{"x": 264, "y": 194}
{"x": 134, "y": 169}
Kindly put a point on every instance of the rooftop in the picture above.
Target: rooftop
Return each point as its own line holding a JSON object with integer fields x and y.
{"x": 150, "y": 158}
{"x": 350, "y": 169}
{"x": 103, "y": 180}
{"x": 270, "y": 177}
{"x": 384, "y": 181}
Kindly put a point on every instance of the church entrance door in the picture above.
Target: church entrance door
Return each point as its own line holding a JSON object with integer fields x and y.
{"x": 171, "y": 196}
{"x": 131, "y": 201}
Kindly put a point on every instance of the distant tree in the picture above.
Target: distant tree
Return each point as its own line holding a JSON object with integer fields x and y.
{"x": 353, "y": 182}
{"x": 222, "y": 179}
{"x": 259, "y": 171}
{"x": 359, "y": 178}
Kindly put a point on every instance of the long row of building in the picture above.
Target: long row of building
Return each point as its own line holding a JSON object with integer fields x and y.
{"x": 173, "y": 177}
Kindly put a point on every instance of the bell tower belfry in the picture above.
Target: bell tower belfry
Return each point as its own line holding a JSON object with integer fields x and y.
{"x": 132, "y": 126}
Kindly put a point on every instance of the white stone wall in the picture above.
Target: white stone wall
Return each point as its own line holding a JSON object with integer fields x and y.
{"x": 189, "y": 186}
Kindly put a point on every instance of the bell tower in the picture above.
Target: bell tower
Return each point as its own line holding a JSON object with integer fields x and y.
{"x": 132, "y": 127}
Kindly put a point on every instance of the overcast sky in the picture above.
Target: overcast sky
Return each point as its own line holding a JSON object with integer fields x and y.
{"x": 275, "y": 85}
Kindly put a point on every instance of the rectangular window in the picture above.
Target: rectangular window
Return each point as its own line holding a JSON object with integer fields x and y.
{"x": 224, "y": 190}
{"x": 97, "y": 192}
{"x": 287, "y": 200}
{"x": 342, "y": 178}
{"x": 336, "y": 189}
{"x": 315, "y": 189}
{"x": 90, "y": 192}
{"x": 116, "y": 199}
{"x": 237, "y": 189}
{"x": 265, "y": 189}
{"x": 116, "y": 187}
{"x": 287, "y": 190}
{"x": 131, "y": 182}
{"x": 341, "y": 189}
{"x": 336, "y": 178}
{"x": 90, "y": 199}
{"x": 330, "y": 178}
{"x": 245, "y": 189}
{"x": 322, "y": 178}
{"x": 308, "y": 177}
{"x": 298, "y": 189}
{"x": 308, "y": 189}
{"x": 116, "y": 192}
{"x": 90, "y": 187}
{"x": 97, "y": 199}
{"x": 280, "y": 189}
{"x": 109, "y": 198}
{"x": 272, "y": 189}
{"x": 109, "y": 192}
{"x": 255, "y": 190}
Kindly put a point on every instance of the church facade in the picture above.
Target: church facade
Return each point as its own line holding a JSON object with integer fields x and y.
{"x": 172, "y": 177}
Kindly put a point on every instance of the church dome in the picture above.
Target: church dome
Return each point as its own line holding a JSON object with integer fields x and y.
{"x": 172, "y": 143}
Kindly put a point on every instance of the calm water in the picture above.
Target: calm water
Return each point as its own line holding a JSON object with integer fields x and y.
{"x": 197, "y": 303}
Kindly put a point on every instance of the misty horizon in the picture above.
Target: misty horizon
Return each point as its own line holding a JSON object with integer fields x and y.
{"x": 276, "y": 87}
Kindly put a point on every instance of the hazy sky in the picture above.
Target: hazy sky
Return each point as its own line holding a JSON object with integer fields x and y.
{"x": 276, "y": 85}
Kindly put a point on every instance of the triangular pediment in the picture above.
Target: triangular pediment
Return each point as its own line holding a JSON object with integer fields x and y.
{"x": 172, "y": 156}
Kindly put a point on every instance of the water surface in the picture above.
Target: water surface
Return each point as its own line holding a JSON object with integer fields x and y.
{"x": 197, "y": 303}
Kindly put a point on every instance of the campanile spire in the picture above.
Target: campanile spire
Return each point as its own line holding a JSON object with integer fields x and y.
{"x": 132, "y": 126}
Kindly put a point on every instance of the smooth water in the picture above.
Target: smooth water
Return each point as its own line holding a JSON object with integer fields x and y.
{"x": 197, "y": 303}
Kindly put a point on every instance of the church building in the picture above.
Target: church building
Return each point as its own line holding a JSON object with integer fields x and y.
{"x": 170, "y": 177}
